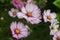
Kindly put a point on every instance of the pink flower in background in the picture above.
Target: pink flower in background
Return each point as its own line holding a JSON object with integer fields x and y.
{"x": 31, "y": 13}
{"x": 48, "y": 16}
{"x": 18, "y": 3}
{"x": 57, "y": 35}
{"x": 19, "y": 30}
{"x": 24, "y": 4}
{"x": 13, "y": 12}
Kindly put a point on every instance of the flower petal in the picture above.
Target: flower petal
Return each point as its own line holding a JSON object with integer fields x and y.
{"x": 15, "y": 36}
{"x": 52, "y": 32}
{"x": 29, "y": 7}
{"x": 23, "y": 9}
{"x": 20, "y": 15}
{"x": 53, "y": 16}
{"x": 36, "y": 13}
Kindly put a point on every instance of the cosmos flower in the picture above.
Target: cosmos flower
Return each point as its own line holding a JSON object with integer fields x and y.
{"x": 18, "y": 3}
{"x": 54, "y": 27}
{"x": 48, "y": 16}
{"x": 13, "y": 12}
{"x": 31, "y": 13}
{"x": 19, "y": 30}
{"x": 57, "y": 35}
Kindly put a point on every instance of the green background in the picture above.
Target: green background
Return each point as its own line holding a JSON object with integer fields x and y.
{"x": 40, "y": 31}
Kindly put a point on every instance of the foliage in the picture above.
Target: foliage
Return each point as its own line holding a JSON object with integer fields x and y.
{"x": 57, "y": 3}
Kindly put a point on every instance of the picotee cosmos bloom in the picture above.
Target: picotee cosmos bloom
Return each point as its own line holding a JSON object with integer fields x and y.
{"x": 13, "y": 12}
{"x": 31, "y": 13}
{"x": 48, "y": 16}
{"x": 19, "y": 30}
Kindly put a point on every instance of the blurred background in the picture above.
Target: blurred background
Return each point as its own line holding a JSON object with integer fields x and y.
{"x": 40, "y": 31}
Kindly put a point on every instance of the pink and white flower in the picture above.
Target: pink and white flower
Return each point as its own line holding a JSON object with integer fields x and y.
{"x": 48, "y": 16}
{"x": 31, "y": 13}
{"x": 18, "y": 3}
{"x": 54, "y": 27}
{"x": 19, "y": 30}
{"x": 57, "y": 35}
{"x": 13, "y": 12}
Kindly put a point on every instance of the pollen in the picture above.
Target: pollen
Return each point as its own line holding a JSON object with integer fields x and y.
{"x": 14, "y": 13}
{"x": 49, "y": 17}
{"x": 29, "y": 14}
{"x": 17, "y": 31}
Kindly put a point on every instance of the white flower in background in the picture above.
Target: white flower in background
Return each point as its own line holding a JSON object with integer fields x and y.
{"x": 13, "y": 12}
{"x": 31, "y": 13}
{"x": 19, "y": 30}
{"x": 57, "y": 35}
{"x": 54, "y": 27}
{"x": 1, "y": 18}
{"x": 48, "y": 16}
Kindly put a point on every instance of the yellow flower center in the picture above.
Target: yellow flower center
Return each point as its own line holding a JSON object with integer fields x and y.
{"x": 17, "y": 31}
{"x": 29, "y": 14}
{"x": 14, "y": 13}
{"x": 49, "y": 17}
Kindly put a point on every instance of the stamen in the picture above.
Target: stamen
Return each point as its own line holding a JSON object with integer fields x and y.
{"x": 49, "y": 17}
{"x": 17, "y": 31}
{"x": 14, "y": 13}
{"x": 29, "y": 14}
